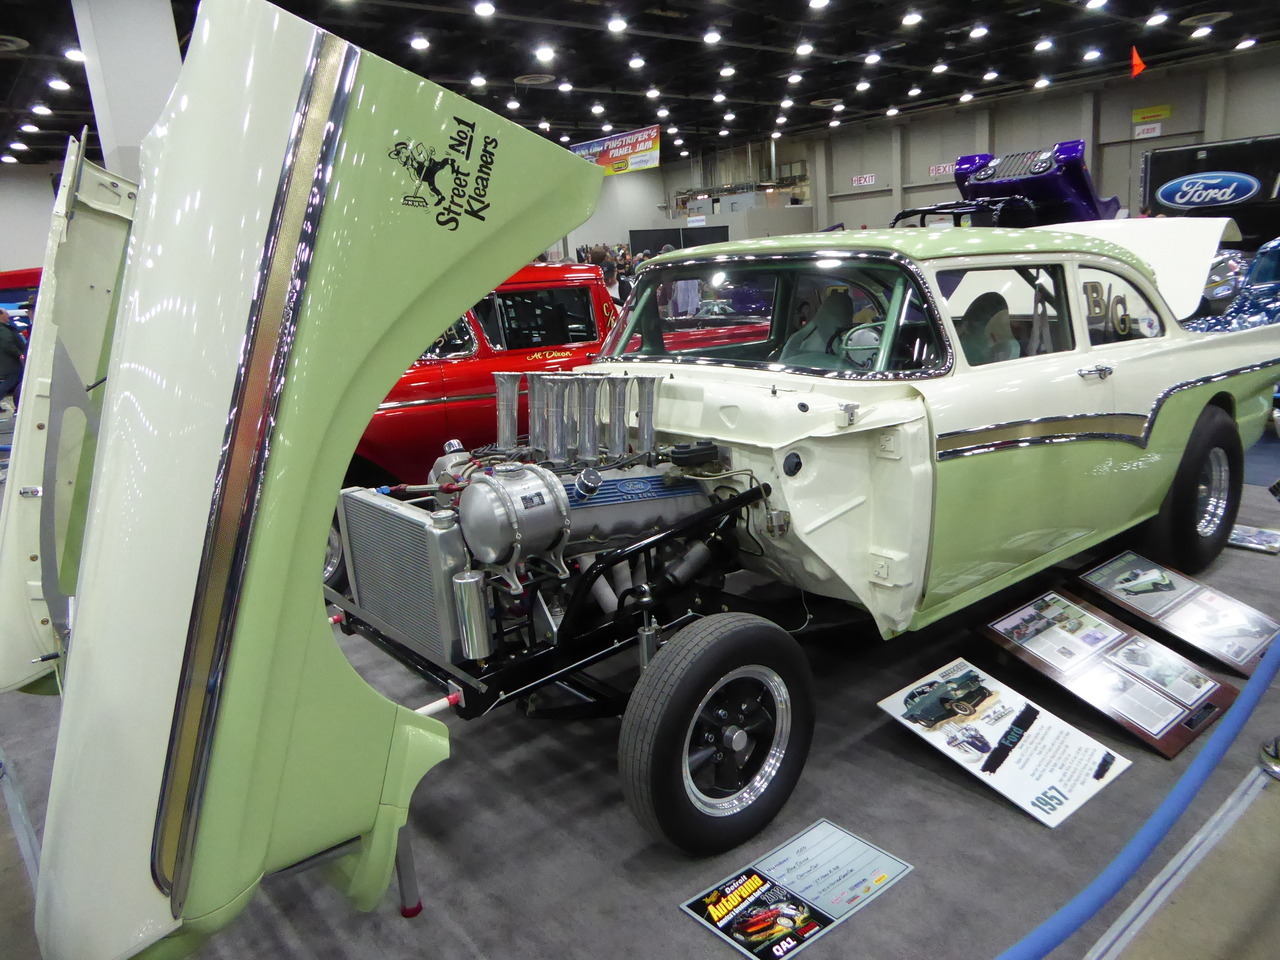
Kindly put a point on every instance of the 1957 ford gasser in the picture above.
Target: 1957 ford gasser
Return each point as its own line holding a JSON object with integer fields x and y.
{"x": 959, "y": 409}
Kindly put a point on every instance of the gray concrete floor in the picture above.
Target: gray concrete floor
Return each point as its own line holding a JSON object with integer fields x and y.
{"x": 525, "y": 848}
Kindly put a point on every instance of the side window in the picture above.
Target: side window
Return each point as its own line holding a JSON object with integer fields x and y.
{"x": 456, "y": 341}
{"x": 1003, "y": 313}
{"x": 544, "y": 318}
{"x": 1115, "y": 309}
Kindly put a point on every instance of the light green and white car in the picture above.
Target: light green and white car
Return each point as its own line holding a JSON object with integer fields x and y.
{"x": 960, "y": 409}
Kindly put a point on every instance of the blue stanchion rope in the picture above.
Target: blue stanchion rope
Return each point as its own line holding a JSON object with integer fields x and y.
{"x": 1054, "y": 931}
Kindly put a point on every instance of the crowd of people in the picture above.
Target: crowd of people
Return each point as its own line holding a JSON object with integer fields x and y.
{"x": 618, "y": 264}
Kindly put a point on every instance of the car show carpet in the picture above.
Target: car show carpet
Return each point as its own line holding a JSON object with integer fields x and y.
{"x": 1262, "y": 461}
{"x": 526, "y": 849}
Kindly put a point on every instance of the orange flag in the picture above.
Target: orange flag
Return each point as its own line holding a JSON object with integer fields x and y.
{"x": 1136, "y": 66}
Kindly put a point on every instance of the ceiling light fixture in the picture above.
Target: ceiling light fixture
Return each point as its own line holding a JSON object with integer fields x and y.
{"x": 564, "y": 138}
{"x": 794, "y": 78}
{"x": 679, "y": 142}
{"x": 862, "y": 86}
{"x": 478, "y": 81}
{"x": 872, "y": 58}
{"x": 29, "y": 128}
{"x": 1244, "y": 44}
{"x": 652, "y": 93}
{"x": 1041, "y": 83}
{"x": 724, "y": 133}
{"x": 978, "y": 32}
{"x": 776, "y": 134}
{"x": 1095, "y": 4}
{"x": 419, "y": 43}
{"x": 727, "y": 71}
{"x": 544, "y": 54}
{"x": 1196, "y": 34}
{"x": 485, "y": 9}
{"x": 59, "y": 85}
{"x": 711, "y": 36}
{"x": 1092, "y": 54}
{"x": 543, "y": 125}
{"x": 781, "y": 120}
{"x": 608, "y": 127}
{"x": 728, "y": 117}
{"x": 913, "y": 92}
{"x": 939, "y": 68}
{"x": 817, "y": 4}
{"x": 636, "y": 62}
{"x": 787, "y": 103}
{"x": 8, "y": 158}
{"x": 74, "y": 53}
{"x": 1043, "y": 45}
{"x": 673, "y": 130}
{"x": 40, "y": 110}
{"x": 911, "y": 19}
{"x": 17, "y": 145}
{"x": 833, "y": 123}
{"x": 719, "y": 97}
{"x": 966, "y": 97}
{"x": 805, "y": 48}
{"x": 1156, "y": 19}
{"x": 684, "y": 153}
{"x": 891, "y": 112}
{"x": 663, "y": 112}
{"x": 565, "y": 86}
{"x": 513, "y": 104}
{"x": 990, "y": 75}
{"x": 617, "y": 25}
{"x": 838, "y": 107}
{"x": 597, "y": 109}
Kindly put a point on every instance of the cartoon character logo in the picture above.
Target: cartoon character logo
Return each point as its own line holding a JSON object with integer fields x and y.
{"x": 420, "y": 160}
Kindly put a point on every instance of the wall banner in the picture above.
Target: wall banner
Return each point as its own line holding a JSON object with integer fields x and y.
{"x": 622, "y": 152}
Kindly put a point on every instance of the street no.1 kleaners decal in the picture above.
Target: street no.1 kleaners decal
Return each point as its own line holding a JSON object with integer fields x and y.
{"x": 1214, "y": 189}
{"x": 467, "y": 194}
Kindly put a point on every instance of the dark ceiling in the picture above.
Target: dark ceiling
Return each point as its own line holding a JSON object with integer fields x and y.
{"x": 758, "y": 40}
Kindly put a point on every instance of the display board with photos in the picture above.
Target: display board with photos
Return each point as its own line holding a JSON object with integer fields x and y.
{"x": 1160, "y": 697}
{"x": 797, "y": 891}
{"x": 1261, "y": 539}
{"x": 1037, "y": 760}
{"x": 1221, "y": 626}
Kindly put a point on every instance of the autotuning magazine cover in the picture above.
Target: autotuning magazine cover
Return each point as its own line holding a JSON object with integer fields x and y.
{"x": 1036, "y": 759}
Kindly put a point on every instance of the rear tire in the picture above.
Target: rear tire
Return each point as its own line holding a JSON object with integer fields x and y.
{"x": 732, "y": 686}
{"x": 1195, "y": 520}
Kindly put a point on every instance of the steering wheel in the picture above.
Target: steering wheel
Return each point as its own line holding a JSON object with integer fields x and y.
{"x": 860, "y": 345}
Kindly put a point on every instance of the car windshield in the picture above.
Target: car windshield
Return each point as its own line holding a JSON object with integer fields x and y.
{"x": 832, "y": 314}
{"x": 1266, "y": 267}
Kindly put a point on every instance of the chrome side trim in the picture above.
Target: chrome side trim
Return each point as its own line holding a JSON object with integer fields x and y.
{"x": 1026, "y": 433}
{"x": 891, "y": 256}
{"x": 436, "y": 401}
{"x": 269, "y": 340}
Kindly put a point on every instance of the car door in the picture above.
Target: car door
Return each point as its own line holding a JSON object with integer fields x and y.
{"x": 542, "y": 328}
{"x": 1021, "y": 428}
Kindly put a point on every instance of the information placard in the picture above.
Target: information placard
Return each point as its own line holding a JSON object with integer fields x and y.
{"x": 797, "y": 891}
{"x": 1160, "y": 697}
{"x": 1038, "y": 760}
{"x": 1262, "y": 539}
{"x": 1224, "y": 628}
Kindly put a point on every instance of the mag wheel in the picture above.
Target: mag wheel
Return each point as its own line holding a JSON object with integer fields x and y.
{"x": 716, "y": 732}
{"x": 1198, "y": 512}
{"x": 335, "y": 567}
{"x": 964, "y": 708}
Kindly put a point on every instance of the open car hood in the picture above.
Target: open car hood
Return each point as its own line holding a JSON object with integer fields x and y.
{"x": 309, "y": 217}
{"x": 1180, "y": 250}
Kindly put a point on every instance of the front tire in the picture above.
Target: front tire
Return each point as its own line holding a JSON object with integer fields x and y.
{"x": 716, "y": 732}
{"x": 1195, "y": 520}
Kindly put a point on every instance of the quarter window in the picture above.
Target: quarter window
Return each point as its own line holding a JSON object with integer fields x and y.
{"x": 1115, "y": 309}
{"x": 1003, "y": 313}
{"x": 523, "y": 319}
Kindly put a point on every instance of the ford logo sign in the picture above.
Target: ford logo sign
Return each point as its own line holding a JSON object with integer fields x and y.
{"x": 1214, "y": 189}
{"x": 634, "y": 486}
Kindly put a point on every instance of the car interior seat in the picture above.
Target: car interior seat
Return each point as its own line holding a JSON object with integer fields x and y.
{"x": 972, "y": 327}
{"x": 835, "y": 314}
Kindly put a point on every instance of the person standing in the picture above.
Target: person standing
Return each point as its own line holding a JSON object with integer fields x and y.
{"x": 13, "y": 352}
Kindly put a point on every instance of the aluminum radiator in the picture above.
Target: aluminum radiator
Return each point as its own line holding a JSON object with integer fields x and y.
{"x": 400, "y": 566}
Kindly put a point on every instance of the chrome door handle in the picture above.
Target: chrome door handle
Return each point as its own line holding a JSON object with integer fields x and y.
{"x": 1101, "y": 371}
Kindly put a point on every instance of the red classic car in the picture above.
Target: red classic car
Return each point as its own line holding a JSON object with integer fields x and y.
{"x": 546, "y": 317}
{"x": 17, "y": 287}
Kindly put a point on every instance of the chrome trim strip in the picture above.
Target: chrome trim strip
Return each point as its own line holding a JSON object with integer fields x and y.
{"x": 1139, "y": 439}
{"x": 269, "y": 339}
{"x": 890, "y": 256}
{"x": 436, "y": 401}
